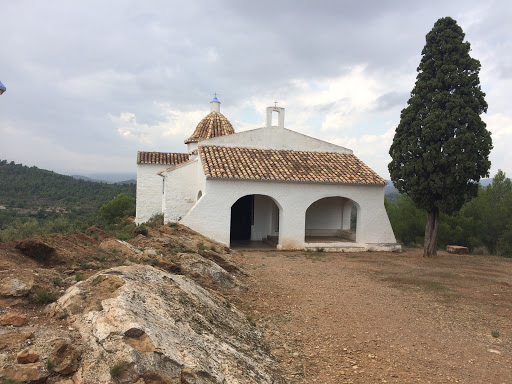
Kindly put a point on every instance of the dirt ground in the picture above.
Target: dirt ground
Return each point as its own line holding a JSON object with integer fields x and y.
{"x": 384, "y": 317}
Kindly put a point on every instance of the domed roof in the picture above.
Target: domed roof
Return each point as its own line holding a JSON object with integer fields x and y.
{"x": 213, "y": 124}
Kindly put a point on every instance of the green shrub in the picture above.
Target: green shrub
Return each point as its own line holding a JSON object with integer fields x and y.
{"x": 49, "y": 364}
{"x": 58, "y": 225}
{"x": 117, "y": 208}
{"x": 9, "y": 381}
{"x": 79, "y": 277}
{"x": 141, "y": 230}
{"x": 118, "y": 368}
{"x": 156, "y": 221}
{"x": 20, "y": 230}
{"x": 123, "y": 231}
{"x": 42, "y": 296}
{"x": 133, "y": 260}
{"x": 201, "y": 247}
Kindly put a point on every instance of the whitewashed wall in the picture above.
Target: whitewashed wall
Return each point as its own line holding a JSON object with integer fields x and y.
{"x": 181, "y": 189}
{"x": 211, "y": 214}
{"x": 262, "y": 218}
{"x": 325, "y": 217}
{"x": 149, "y": 191}
{"x": 275, "y": 138}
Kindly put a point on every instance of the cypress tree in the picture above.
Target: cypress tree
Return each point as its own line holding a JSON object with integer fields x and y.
{"x": 441, "y": 145}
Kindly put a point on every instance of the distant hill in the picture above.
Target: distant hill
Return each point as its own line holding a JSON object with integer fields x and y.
{"x": 110, "y": 178}
{"x": 80, "y": 177}
{"x": 485, "y": 182}
{"x": 132, "y": 181}
{"x": 32, "y": 188}
{"x": 392, "y": 194}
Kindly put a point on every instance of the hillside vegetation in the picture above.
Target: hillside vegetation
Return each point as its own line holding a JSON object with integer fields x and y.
{"x": 484, "y": 224}
{"x": 35, "y": 201}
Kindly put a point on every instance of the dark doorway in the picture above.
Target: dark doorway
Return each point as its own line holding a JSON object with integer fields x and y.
{"x": 242, "y": 217}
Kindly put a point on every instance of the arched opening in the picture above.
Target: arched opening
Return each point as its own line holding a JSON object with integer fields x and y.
{"x": 199, "y": 195}
{"x": 254, "y": 220}
{"x": 331, "y": 219}
{"x": 275, "y": 118}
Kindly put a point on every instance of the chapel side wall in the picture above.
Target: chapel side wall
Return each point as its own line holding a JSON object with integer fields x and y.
{"x": 200, "y": 178}
{"x": 211, "y": 214}
{"x": 373, "y": 224}
{"x": 180, "y": 191}
{"x": 149, "y": 192}
{"x": 275, "y": 138}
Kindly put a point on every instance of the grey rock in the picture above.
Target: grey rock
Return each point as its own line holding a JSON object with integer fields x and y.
{"x": 164, "y": 328}
{"x": 196, "y": 266}
{"x": 16, "y": 287}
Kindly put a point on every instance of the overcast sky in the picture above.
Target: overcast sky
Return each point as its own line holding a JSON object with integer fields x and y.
{"x": 91, "y": 82}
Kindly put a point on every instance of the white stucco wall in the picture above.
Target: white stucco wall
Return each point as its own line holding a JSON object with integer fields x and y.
{"x": 325, "y": 217}
{"x": 275, "y": 138}
{"x": 347, "y": 210}
{"x": 181, "y": 189}
{"x": 211, "y": 214}
{"x": 191, "y": 147}
{"x": 149, "y": 191}
{"x": 262, "y": 218}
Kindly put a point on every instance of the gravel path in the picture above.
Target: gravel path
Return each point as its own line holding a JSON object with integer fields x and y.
{"x": 384, "y": 318}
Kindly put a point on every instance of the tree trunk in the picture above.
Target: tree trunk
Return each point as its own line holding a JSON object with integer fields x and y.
{"x": 431, "y": 231}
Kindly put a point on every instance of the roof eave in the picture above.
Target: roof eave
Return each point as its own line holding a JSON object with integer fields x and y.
{"x": 208, "y": 177}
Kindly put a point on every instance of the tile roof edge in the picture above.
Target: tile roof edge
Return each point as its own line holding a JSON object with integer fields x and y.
{"x": 209, "y": 177}
{"x": 277, "y": 150}
{"x": 162, "y": 153}
{"x": 170, "y": 169}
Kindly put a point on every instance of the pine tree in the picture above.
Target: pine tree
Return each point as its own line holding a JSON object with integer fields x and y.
{"x": 441, "y": 145}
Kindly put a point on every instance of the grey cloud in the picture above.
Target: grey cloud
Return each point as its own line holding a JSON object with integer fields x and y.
{"x": 68, "y": 66}
{"x": 391, "y": 100}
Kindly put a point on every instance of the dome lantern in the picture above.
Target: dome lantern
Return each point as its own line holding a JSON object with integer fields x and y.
{"x": 212, "y": 125}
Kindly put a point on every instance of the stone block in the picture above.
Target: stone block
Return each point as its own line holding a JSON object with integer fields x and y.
{"x": 457, "y": 249}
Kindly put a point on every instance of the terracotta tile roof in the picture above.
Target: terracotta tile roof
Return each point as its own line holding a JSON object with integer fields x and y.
{"x": 161, "y": 158}
{"x": 213, "y": 125}
{"x": 284, "y": 165}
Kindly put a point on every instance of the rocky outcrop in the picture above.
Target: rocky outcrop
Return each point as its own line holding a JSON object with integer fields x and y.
{"x": 144, "y": 325}
{"x": 205, "y": 271}
{"x": 16, "y": 286}
{"x": 25, "y": 372}
{"x": 14, "y": 338}
{"x": 14, "y": 319}
{"x": 64, "y": 357}
{"x": 27, "y": 356}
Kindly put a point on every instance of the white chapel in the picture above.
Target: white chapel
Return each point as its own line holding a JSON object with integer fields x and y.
{"x": 268, "y": 184}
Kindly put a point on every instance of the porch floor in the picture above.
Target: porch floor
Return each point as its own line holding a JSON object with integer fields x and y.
{"x": 318, "y": 243}
{"x": 327, "y": 239}
{"x": 241, "y": 245}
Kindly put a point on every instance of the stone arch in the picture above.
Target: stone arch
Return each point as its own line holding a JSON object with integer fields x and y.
{"x": 331, "y": 218}
{"x": 255, "y": 217}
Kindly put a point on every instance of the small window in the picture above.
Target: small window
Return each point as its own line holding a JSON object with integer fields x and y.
{"x": 200, "y": 193}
